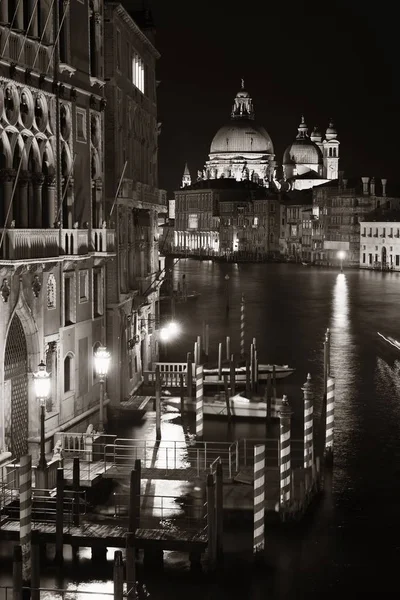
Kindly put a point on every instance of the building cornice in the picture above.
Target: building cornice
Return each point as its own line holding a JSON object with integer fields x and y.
{"x": 124, "y": 15}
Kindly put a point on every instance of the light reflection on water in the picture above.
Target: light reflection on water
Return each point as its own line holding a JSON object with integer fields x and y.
{"x": 352, "y": 538}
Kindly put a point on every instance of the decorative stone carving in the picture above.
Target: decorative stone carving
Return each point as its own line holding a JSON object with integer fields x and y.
{"x": 51, "y": 292}
{"x": 5, "y": 290}
{"x": 38, "y": 179}
{"x": 36, "y": 286}
{"x": 7, "y": 174}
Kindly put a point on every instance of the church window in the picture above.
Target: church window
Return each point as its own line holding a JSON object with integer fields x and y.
{"x": 138, "y": 72}
{"x": 51, "y": 291}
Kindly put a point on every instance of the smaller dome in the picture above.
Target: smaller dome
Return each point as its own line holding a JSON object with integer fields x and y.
{"x": 316, "y": 135}
{"x": 303, "y": 152}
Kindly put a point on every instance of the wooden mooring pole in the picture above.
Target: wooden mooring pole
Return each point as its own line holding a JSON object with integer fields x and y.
{"x": 207, "y": 340}
{"x": 17, "y": 573}
{"x": 158, "y": 403}
{"x": 189, "y": 370}
{"x": 285, "y": 456}
{"x": 308, "y": 427}
{"x": 76, "y": 480}
{"x": 233, "y": 375}
{"x": 59, "y": 557}
{"x": 35, "y": 577}
{"x": 228, "y": 347}
{"x": 220, "y": 361}
{"x": 118, "y": 576}
{"x": 199, "y": 402}
{"x": 25, "y": 515}
{"x": 259, "y": 499}
{"x": 330, "y": 421}
{"x": 219, "y": 514}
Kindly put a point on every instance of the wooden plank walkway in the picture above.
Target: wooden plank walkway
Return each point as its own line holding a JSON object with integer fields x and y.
{"x": 112, "y": 536}
{"x": 90, "y": 472}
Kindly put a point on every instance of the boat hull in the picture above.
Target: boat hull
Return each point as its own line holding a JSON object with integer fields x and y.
{"x": 388, "y": 349}
{"x": 264, "y": 372}
{"x": 240, "y": 407}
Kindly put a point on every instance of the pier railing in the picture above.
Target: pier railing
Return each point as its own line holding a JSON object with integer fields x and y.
{"x": 87, "y": 446}
{"x": 166, "y": 512}
{"x": 241, "y": 453}
{"x": 7, "y": 593}
{"x": 44, "y": 506}
{"x": 167, "y": 454}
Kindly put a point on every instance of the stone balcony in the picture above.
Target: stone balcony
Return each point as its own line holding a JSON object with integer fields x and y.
{"x": 31, "y": 244}
{"x": 25, "y": 52}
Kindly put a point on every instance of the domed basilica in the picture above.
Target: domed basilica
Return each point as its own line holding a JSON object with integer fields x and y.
{"x": 243, "y": 149}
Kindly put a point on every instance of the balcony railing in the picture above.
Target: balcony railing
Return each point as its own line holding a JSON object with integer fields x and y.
{"x": 19, "y": 244}
{"x": 103, "y": 240}
{"x": 30, "y": 244}
{"x": 33, "y": 55}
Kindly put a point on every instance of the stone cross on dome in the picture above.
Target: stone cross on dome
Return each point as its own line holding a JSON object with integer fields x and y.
{"x": 242, "y": 82}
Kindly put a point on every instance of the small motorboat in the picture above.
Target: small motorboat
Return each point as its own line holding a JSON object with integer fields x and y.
{"x": 264, "y": 372}
{"x": 388, "y": 348}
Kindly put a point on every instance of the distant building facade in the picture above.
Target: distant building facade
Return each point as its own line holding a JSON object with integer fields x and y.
{"x": 55, "y": 238}
{"x": 131, "y": 135}
{"x": 380, "y": 240}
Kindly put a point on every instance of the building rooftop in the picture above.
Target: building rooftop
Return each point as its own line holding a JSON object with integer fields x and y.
{"x": 382, "y": 215}
{"x": 222, "y": 184}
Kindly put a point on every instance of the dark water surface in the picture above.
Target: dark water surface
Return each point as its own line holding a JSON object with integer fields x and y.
{"x": 349, "y": 546}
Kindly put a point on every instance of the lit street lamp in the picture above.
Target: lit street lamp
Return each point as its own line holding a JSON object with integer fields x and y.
{"x": 42, "y": 391}
{"x": 341, "y": 256}
{"x": 101, "y": 362}
{"x": 169, "y": 331}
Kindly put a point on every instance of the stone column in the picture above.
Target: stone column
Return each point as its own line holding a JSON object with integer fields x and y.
{"x": 7, "y": 177}
{"x": 3, "y": 13}
{"x": 97, "y": 43}
{"x": 23, "y": 180}
{"x": 38, "y": 180}
{"x": 19, "y": 17}
{"x": 33, "y": 29}
{"x": 51, "y": 200}
{"x": 99, "y": 203}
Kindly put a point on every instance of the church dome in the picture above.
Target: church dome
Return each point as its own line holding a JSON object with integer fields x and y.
{"x": 242, "y": 136}
{"x": 331, "y": 132}
{"x": 303, "y": 151}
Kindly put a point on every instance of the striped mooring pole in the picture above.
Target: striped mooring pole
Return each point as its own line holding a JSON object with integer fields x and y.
{"x": 330, "y": 420}
{"x": 285, "y": 416}
{"x": 242, "y": 327}
{"x": 259, "y": 497}
{"x": 328, "y": 351}
{"x": 308, "y": 424}
{"x": 25, "y": 514}
{"x": 199, "y": 402}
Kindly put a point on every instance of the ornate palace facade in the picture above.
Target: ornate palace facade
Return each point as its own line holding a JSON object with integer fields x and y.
{"x": 54, "y": 234}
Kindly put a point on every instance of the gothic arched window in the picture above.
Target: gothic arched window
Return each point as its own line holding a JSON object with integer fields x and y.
{"x": 68, "y": 373}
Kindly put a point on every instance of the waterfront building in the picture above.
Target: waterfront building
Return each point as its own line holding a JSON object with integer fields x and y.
{"x": 295, "y": 229}
{"x": 339, "y": 206}
{"x": 380, "y": 240}
{"x": 133, "y": 199}
{"x": 55, "y": 237}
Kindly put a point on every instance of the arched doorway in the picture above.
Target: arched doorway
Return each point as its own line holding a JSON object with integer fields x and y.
{"x": 384, "y": 257}
{"x": 16, "y": 388}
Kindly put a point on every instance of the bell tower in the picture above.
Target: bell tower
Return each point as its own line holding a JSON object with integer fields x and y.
{"x": 331, "y": 152}
{"x": 186, "y": 179}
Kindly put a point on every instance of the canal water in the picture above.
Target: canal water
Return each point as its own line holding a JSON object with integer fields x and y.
{"x": 349, "y": 545}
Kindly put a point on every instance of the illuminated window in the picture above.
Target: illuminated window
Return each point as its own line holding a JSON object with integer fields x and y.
{"x": 138, "y": 72}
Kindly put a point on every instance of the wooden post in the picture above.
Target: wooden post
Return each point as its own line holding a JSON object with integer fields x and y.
{"x": 242, "y": 327}
{"x": 268, "y": 400}
{"x": 219, "y": 514}
{"x": 248, "y": 387}
{"x": 328, "y": 362}
{"x": 325, "y": 365}
{"x": 252, "y": 367}
{"x": 189, "y": 374}
{"x": 199, "y": 402}
{"x": 233, "y": 375}
{"x": 25, "y": 515}
{"x": 285, "y": 454}
{"x": 259, "y": 498}
{"x": 227, "y": 400}
{"x": 35, "y": 577}
{"x": 199, "y": 361}
{"x": 17, "y": 573}
{"x": 211, "y": 529}
{"x": 255, "y": 371}
{"x": 330, "y": 421}
{"x": 158, "y": 403}
{"x": 76, "y": 480}
{"x": 138, "y": 483}
{"x": 220, "y": 361}
{"x": 308, "y": 424}
{"x": 207, "y": 340}
{"x": 195, "y": 354}
{"x": 59, "y": 558}
{"x": 133, "y": 513}
{"x": 182, "y": 392}
{"x": 274, "y": 383}
{"x": 118, "y": 576}
{"x": 228, "y": 347}
{"x": 130, "y": 566}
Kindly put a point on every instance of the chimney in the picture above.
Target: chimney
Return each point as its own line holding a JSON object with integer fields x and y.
{"x": 365, "y": 181}
{"x": 384, "y": 182}
{"x": 345, "y": 184}
{"x": 372, "y": 187}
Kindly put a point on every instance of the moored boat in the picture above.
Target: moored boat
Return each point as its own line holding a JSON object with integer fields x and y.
{"x": 264, "y": 371}
{"x": 388, "y": 348}
{"x": 240, "y": 407}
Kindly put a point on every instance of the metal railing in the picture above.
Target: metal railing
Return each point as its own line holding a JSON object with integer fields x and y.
{"x": 44, "y": 506}
{"x": 87, "y": 446}
{"x": 166, "y": 454}
{"x": 244, "y": 453}
{"x": 166, "y": 512}
{"x": 7, "y": 593}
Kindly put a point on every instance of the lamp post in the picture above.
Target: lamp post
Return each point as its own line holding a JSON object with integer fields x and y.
{"x": 42, "y": 390}
{"x": 102, "y": 362}
{"x": 341, "y": 256}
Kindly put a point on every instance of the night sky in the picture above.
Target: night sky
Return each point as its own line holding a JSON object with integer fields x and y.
{"x": 322, "y": 59}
